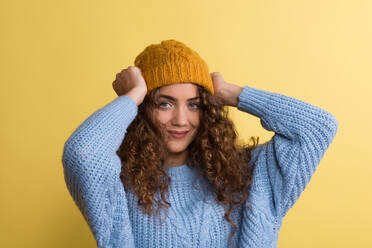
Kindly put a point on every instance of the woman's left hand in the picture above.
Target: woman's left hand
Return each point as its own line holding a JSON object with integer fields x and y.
{"x": 227, "y": 92}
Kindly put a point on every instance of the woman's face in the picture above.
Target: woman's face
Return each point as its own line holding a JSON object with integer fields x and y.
{"x": 178, "y": 111}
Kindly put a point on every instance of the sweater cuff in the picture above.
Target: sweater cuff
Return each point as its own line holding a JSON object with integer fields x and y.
{"x": 254, "y": 101}
{"x": 124, "y": 105}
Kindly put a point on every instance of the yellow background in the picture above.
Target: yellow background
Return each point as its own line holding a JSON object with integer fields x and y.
{"x": 59, "y": 58}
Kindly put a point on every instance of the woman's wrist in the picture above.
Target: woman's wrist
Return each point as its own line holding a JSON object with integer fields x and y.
{"x": 231, "y": 94}
{"x": 137, "y": 95}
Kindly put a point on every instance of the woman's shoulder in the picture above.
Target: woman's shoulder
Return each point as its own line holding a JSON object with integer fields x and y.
{"x": 252, "y": 154}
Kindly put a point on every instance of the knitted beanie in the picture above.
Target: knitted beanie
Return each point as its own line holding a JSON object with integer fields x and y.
{"x": 172, "y": 62}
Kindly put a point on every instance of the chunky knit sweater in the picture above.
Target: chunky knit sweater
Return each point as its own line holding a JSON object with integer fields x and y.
{"x": 284, "y": 166}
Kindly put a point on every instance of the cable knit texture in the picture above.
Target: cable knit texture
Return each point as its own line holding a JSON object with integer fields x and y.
{"x": 284, "y": 166}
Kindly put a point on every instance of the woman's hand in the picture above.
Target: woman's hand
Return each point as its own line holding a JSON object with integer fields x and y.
{"x": 130, "y": 82}
{"x": 227, "y": 92}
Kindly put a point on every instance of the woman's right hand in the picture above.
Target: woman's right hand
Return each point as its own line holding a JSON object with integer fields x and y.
{"x": 130, "y": 82}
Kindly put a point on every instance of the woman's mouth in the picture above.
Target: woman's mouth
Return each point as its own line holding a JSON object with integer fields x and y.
{"x": 178, "y": 134}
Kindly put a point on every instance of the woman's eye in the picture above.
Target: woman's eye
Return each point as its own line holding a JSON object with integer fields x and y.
{"x": 194, "y": 105}
{"x": 168, "y": 105}
{"x": 164, "y": 104}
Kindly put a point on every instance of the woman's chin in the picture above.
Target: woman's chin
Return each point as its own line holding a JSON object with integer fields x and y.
{"x": 176, "y": 149}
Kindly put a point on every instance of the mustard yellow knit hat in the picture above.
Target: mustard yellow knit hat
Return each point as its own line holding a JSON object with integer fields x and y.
{"x": 172, "y": 62}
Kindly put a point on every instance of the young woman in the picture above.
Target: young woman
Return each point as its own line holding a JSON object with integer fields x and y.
{"x": 160, "y": 166}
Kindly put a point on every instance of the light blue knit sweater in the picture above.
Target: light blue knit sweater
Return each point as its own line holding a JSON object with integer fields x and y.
{"x": 283, "y": 167}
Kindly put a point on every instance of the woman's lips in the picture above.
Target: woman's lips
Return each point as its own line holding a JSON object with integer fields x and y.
{"x": 178, "y": 134}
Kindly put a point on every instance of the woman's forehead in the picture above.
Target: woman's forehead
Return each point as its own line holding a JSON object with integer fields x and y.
{"x": 179, "y": 90}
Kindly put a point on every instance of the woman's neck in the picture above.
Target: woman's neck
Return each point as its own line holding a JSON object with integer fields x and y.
{"x": 176, "y": 159}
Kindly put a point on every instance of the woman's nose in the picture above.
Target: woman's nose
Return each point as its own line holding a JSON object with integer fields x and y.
{"x": 179, "y": 117}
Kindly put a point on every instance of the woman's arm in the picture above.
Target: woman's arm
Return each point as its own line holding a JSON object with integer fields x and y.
{"x": 286, "y": 163}
{"x": 92, "y": 167}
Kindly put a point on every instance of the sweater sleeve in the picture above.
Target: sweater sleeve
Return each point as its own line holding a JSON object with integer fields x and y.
{"x": 92, "y": 169}
{"x": 286, "y": 163}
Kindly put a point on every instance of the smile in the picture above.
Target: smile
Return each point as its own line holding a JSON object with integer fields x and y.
{"x": 178, "y": 134}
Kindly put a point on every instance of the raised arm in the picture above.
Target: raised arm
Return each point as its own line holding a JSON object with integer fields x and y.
{"x": 92, "y": 168}
{"x": 286, "y": 163}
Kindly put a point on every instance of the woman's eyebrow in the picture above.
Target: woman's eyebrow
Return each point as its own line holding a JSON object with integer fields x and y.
{"x": 175, "y": 99}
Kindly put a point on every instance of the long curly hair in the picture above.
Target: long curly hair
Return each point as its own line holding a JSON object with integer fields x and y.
{"x": 221, "y": 161}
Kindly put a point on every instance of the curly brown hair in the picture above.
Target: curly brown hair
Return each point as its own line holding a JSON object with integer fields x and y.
{"x": 221, "y": 161}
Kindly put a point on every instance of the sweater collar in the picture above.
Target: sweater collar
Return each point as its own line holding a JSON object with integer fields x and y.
{"x": 181, "y": 172}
